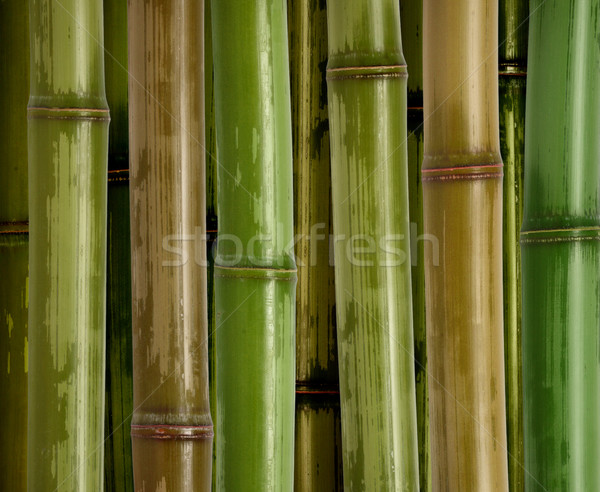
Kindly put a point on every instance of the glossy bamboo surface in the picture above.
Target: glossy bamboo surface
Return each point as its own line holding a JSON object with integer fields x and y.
{"x": 560, "y": 248}
{"x": 171, "y": 425}
{"x": 462, "y": 198}
{"x": 367, "y": 111}
{"x": 118, "y": 470}
{"x": 255, "y": 272}
{"x": 68, "y": 143}
{"x": 512, "y": 68}
{"x": 318, "y": 461}
{"x": 411, "y": 17}
{"x": 14, "y": 291}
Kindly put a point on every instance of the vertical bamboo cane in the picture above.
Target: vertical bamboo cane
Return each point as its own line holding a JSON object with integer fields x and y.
{"x": 211, "y": 160}
{"x": 462, "y": 199}
{"x": 68, "y": 143}
{"x": 512, "y": 39}
{"x": 14, "y": 87}
{"x": 367, "y": 111}
{"x": 118, "y": 471}
{"x": 561, "y": 248}
{"x": 318, "y": 462}
{"x": 255, "y": 272}
{"x": 171, "y": 427}
{"x": 411, "y": 16}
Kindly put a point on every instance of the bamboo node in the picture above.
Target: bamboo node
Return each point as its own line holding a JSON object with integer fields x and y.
{"x": 172, "y": 432}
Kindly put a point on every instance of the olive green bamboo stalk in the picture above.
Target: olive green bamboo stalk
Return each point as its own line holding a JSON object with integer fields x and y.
{"x": 367, "y": 111}
{"x": 462, "y": 203}
{"x": 118, "y": 471}
{"x": 171, "y": 426}
{"x": 14, "y": 92}
{"x": 318, "y": 463}
{"x": 560, "y": 244}
{"x": 255, "y": 271}
{"x": 411, "y": 16}
{"x": 512, "y": 58}
{"x": 68, "y": 143}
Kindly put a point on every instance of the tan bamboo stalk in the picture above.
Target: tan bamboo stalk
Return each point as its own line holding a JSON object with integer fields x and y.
{"x": 171, "y": 427}
{"x": 318, "y": 457}
{"x": 462, "y": 195}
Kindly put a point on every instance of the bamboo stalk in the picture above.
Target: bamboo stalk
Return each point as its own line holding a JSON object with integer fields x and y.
{"x": 367, "y": 111}
{"x": 118, "y": 470}
{"x": 318, "y": 456}
{"x": 14, "y": 91}
{"x": 255, "y": 272}
{"x": 512, "y": 54}
{"x": 318, "y": 461}
{"x": 211, "y": 160}
{"x": 561, "y": 248}
{"x": 68, "y": 143}
{"x": 462, "y": 203}
{"x": 411, "y": 16}
{"x": 171, "y": 427}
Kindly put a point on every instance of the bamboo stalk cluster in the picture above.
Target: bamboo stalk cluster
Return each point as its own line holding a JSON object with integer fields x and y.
{"x": 231, "y": 281}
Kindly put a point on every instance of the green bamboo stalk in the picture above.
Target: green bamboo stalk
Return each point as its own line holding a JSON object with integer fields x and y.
{"x": 68, "y": 143}
{"x": 118, "y": 472}
{"x": 411, "y": 16}
{"x": 171, "y": 427}
{"x": 512, "y": 58}
{"x": 118, "y": 469}
{"x": 367, "y": 111}
{"x": 255, "y": 272}
{"x": 561, "y": 248}
{"x": 14, "y": 92}
{"x": 210, "y": 156}
{"x": 318, "y": 461}
{"x": 462, "y": 203}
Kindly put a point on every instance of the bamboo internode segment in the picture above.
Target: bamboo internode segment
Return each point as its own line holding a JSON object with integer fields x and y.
{"x": 255, "y": 271}
{"x": 367, "y": 111}
{"x": 463, "y": 210}
{"x": 170, "y": 363}
{"x": 560, "y": 244}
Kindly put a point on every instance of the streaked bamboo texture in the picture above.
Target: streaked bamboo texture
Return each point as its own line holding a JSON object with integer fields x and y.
{"x": 512, "y": 58}
{"x": 462, "y": 201}
{"x": 411, "y": 17}
{"x": 561, "y": 248}
{"x": 118, "y": 470}
{"x": 68, "y": 144}
{"x": 171, "y": 426}
{"x": 318, "y": 461}
{"x": 255, "y": 271}
{"x": 367, "y": 111}
{"x": 14, "y": 92}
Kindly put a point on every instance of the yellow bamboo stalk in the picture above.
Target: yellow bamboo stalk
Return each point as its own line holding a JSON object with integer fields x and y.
{"x": 462, "y": 193}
